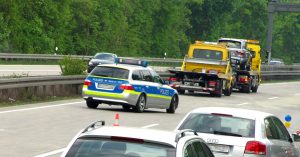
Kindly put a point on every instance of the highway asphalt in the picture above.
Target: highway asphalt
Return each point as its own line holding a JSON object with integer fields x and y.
{"x": 45, "y": 129}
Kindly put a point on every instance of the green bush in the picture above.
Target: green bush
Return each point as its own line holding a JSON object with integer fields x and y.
{"x": 72, "y": 66}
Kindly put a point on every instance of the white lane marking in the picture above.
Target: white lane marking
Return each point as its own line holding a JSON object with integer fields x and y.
{"x": 42, "y": 107}
{"x": 282, "y": 83}
{"x": 51, "y": 153}
{"x": 62, "y": 149}
{"x": 29, "y": 70}
{"x": 272, "y": 98}
{"x": 149, "y": 126}
{"x": 245, "y": 103}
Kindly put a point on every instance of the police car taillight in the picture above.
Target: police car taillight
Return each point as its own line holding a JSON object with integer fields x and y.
{"x": 126, "y": 87}
{"x": 87, "y": 82}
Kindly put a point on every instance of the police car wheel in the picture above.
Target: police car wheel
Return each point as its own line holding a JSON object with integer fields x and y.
{"x": 173, "y": 105}
{"x": 141, "y": 103}
{"x": 91, "y": 104}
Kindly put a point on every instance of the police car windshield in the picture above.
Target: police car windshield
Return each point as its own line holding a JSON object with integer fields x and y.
{"x": 110, "y": 72}
{"x": 90, "y": 147}
{"x": 223, "y": 125}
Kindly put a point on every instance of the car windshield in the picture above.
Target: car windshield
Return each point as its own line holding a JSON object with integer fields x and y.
{"x": 207, "y": 54}
{"x": 104, "y": 56}
{"x": 92, "y": 147}
{"x": 110, "y": 72}
{"x": 218, "y": 124}
{"x": 231, "y": 44}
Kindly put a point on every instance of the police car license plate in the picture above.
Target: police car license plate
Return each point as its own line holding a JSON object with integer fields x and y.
{"x": 218, "y": 148}
{"x": 105, "y": 86}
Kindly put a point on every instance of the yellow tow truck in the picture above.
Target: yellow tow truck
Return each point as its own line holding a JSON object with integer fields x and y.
{"x": 205, "y": 68}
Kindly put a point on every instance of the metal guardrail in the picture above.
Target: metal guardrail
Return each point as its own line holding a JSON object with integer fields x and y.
{"x": 79, "y": 79}
{"x": 40, "y": 81}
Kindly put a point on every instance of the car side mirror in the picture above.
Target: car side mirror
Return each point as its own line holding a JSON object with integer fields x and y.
{"x": 296, "y": 137}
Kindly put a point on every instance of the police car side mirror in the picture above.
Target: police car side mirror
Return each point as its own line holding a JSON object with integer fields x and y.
{"x": 296, "y": 137}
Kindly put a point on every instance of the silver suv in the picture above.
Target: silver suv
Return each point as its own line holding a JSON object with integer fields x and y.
{"x": 103, "y": 141}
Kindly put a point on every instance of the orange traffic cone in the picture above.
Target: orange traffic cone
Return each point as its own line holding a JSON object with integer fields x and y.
{"x": 116, "y": 120}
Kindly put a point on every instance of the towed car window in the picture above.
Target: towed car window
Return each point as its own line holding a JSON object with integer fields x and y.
{"x": 110, "y": 72}
{"x": 218, "y": 124}
{"x": 92, "y": 147}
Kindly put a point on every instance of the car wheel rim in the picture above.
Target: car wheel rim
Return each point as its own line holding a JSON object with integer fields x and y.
{"x": 142, "y": 103}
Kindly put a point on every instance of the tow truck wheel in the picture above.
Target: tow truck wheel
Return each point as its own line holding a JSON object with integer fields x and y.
{"x": 173, "y": 105}
{"x": 141, "y": 103}
{"x": 228, "y": 91}
{"x": 254, "y": 89}
{"x": 91, "y": 104}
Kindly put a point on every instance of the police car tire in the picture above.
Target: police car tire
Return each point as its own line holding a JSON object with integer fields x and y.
{"x": 173, "y": 105}
{"x": 91, "y": 104}
{"x": 138, "y": 108}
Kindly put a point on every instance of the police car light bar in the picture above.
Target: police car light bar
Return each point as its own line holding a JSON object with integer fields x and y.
{"x": 131, "y": 61}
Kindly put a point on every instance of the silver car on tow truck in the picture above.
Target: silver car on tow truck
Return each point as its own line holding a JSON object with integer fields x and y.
{"x": 233, "y": 132}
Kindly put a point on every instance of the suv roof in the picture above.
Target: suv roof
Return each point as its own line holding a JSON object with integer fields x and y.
{"x": 149, "y": 135}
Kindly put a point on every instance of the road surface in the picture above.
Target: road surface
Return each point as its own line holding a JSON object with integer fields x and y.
{"x": 45, "y": 129}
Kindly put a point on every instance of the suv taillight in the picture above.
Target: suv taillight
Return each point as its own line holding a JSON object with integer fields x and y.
{"x": 172, "y": 79}
{"x": 87, "y": 82}
{"x": 255, "y": 147}
{"x": 212, "y": 83}
{"x": 126, "y": 87}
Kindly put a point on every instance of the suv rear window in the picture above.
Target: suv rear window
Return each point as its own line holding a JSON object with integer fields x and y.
{"x": 90, "y": 147}
{"x": 207, "y": 54}
{"x": 218, "y": 124}
{"x": 110, "y": 72}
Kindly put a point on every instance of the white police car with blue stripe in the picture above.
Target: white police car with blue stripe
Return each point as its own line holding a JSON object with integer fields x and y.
{"x": 129, "y": 83}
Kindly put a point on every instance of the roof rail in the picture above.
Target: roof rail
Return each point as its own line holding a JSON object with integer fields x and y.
{"x": 94, "y": 126}
{"x": 181, "y": 134}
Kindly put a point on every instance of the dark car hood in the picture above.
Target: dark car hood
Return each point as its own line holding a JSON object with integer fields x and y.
{"x": 100, "y": 61}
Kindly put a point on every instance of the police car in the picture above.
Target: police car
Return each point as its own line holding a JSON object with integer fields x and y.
{"x": 129, "y": 83}
{"x": 111, "y": 141}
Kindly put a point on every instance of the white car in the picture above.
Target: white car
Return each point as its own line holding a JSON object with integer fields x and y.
{"x": 104, "y": 141}
{"x": 240, "y": 132}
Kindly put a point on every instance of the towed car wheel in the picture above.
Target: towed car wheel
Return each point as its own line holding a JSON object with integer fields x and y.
{"x": 141, "y": 103}
{"x": 173, "y": 105}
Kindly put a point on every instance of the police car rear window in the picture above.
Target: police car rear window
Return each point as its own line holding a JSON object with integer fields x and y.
{"x": 111, "y": 72}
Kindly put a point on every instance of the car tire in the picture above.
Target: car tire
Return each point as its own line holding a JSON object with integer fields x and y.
{"x": 173, "y": 104}
{"x": 181, "y": 92}
{"x": 92, "y": 104}
{"x": 141, "y": 104}
{"x": 220, "y": 89}
{"x": 126, "y": 107}
{"x": 248, "y": 88}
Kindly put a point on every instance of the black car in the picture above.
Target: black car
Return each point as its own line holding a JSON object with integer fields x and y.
{"x": 101, "y": 58}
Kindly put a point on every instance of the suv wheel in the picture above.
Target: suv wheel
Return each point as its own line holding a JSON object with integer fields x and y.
{"x": 141, "y": 103}
{"x": 173, "y": 105}
{"x": 92, "y": 104}
{"x": 181, "y": 92}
